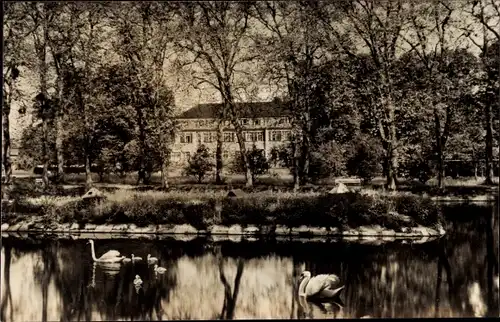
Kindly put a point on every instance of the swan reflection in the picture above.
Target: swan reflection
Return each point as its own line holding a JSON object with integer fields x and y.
{"x": 314, "y": 309}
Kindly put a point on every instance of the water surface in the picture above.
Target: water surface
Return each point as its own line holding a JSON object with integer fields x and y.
{"x": 48, "y": 280}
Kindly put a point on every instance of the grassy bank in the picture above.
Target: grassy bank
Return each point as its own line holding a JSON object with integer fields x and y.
{"x": 203, "y": 209}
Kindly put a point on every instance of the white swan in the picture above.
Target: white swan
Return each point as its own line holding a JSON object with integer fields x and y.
{"x": 112, "y": 256}
{"x": 136, "y": 258}
{"x": 159, "y": 270}
{"x": 323, "y": 286}
{"x": 152, "y": 260}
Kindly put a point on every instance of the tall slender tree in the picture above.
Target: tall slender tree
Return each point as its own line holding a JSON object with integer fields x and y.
{"x": 292, "y": 57}
{"x": 215, "y": 35}
{"x": 445, "y": 73}
{"x": 16, "y": 30}
{"x": 143, "y": 34}
{"x": 483, "y": 33}
{"x": 42, "y": 15}
{"x": 375, "y": 26}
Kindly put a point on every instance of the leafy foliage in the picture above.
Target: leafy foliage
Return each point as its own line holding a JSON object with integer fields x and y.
{"x": 200, "y": 164}
{"x": 258, "y": 163}
{"x": 365, "y": 158}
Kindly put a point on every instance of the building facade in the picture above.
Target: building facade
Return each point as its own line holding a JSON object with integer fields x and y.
{"x": 265, "y": 125}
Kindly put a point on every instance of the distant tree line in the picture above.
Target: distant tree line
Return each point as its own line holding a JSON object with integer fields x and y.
{"x": 394, "y": 87}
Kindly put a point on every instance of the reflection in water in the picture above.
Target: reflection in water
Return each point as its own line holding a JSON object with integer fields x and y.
{"x": 452, "y": 277}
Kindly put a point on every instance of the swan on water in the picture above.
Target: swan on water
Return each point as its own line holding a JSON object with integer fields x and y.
{"x": 137, "y": 281}
{"x": 152, "y": 260}
{"x": 323, "y": 286}
{"x": 136, "y": 258}
{"x": 112, "y": 256}
{"x": 159, "y": 270}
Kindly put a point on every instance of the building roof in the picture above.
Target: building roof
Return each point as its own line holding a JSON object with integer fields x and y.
{"x": 274, "y": 108}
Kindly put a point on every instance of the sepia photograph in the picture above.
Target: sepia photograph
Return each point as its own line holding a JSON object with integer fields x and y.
{"x": 219, "y": 160}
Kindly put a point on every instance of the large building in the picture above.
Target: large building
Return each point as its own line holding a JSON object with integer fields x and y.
{"x": 265, "y": 125}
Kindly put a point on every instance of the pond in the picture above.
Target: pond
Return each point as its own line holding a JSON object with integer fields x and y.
{"x": 455, "y": 276}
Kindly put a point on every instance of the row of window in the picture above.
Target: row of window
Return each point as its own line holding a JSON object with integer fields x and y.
{"x": 245, "y": 121}
{"x": 176, "y": 156}
{"x": 254, "y": 136}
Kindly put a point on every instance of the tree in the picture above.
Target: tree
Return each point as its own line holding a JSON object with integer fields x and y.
{"x": 440, "y": 76}
{"x": 483, "y": 33}
{"x": 15, "y": 32}
{"x": 214, "y": 35}
{"x": 364, "y": 159}
{"x": 378, "y": 26}
{"x": 327, "y": 160}
{"x": 62, "y": 41}
{"x": 31, "y": 145}
{"x": 41, "y": 16}
{"x": 259, "y": 165}
{"x": 293, "y": 59}
{"x": 199, "y": 164}
{"x": 143, "y": 36}
{"x": 87, "y": 99}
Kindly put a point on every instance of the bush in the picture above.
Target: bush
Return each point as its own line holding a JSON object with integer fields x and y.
{"x": 365, "y": 158}
{"x": 199, "y": 164}
{"x": 258, "y": 163}
{"x": 418, "y": 166}
{"x": 341, "y": 210}
{"x": 327, "y": 160}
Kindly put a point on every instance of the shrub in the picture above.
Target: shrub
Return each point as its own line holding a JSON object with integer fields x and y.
{"x": 199, "y": 164}
{"x": 257, "y": 161}
{"x": 327, "y": 160}
{"x": 365, "y": 158}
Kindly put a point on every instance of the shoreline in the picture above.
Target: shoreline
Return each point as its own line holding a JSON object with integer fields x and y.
{"x": 220, "y": 231}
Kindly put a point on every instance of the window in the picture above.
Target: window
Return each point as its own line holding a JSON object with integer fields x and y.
{"x": 229, "y": 137}
{"x": 256, "y": 122}
{"x": 237, "y": 154}
{"x": 186, "y": 138}
{"x": 254, "y": 136}
{"x": 275, "y": 135}
{"x": 244, "y": 121}
{"x": 187, "y": 156}
{"x": 208, "y": 137}
{"x": 225, "y": 155}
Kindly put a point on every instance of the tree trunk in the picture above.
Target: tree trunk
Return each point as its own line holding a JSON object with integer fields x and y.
{"x": 441, "y": 173}
{"x": 218, "y": 153}
{"x": 6, "y": 161}
{"x": 141, "y": 178}
{"x": 489, "y": 145}
{"x": 296, "y": 166}
{"x": 59, "y": 149}
{"x": 88, "y": 173}
{"x": 41, "y": 51}
{"x": 392, "y": 153}
{"x": 244, "y": 156}
{"x": 391, "y": 168}
{"x": 243, "y": 150}
{"x": 305, "y": 158}
{"x": 59, "y": 124}
{"x": 45, "y": 152}
{"x": 164, "y": 172}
